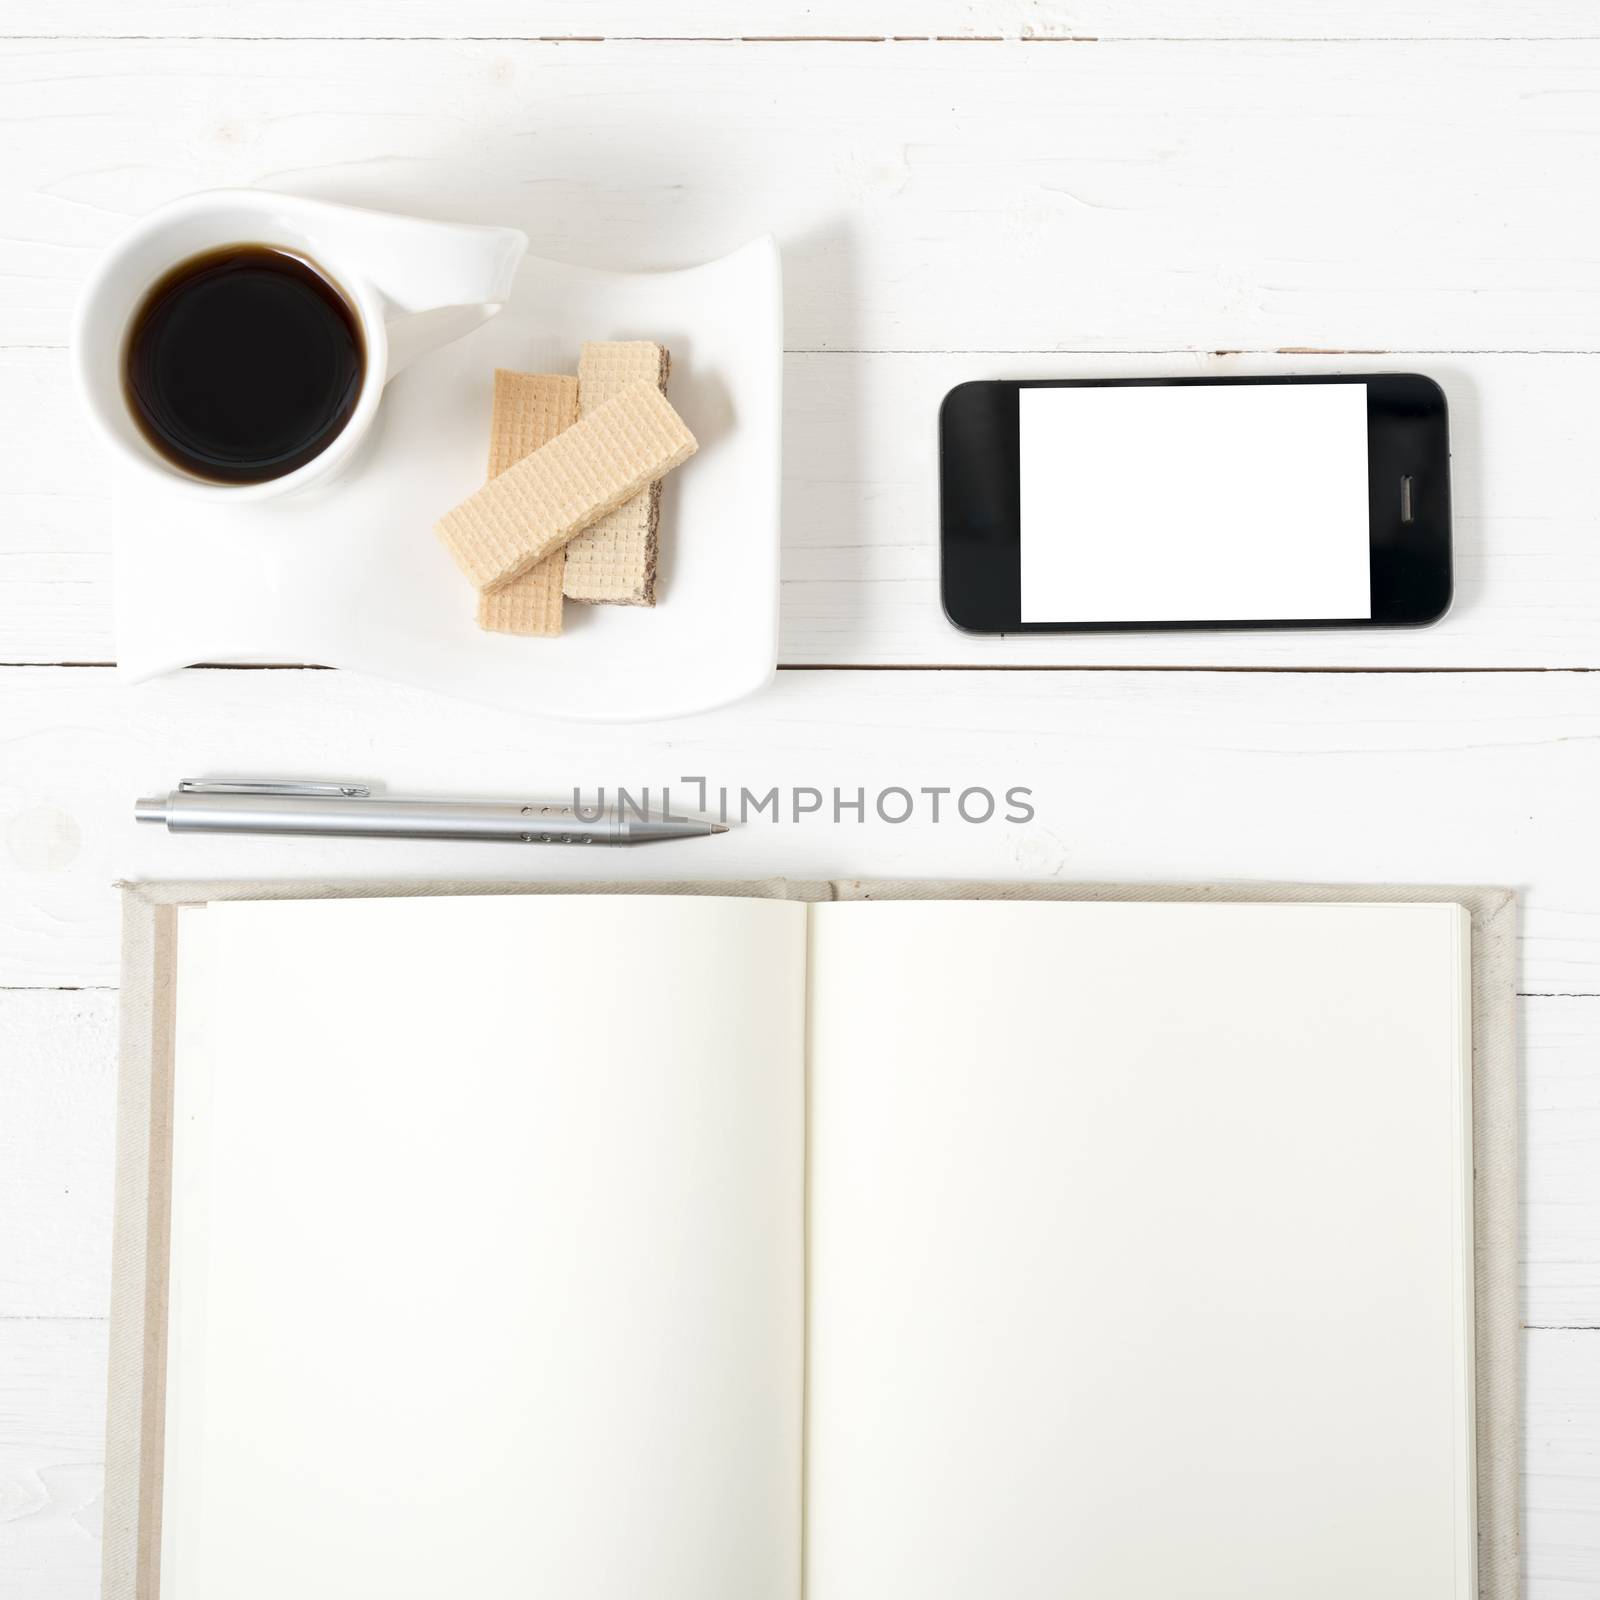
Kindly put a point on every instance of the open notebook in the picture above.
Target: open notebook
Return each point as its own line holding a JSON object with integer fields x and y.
{"x": 696, "y": 1248}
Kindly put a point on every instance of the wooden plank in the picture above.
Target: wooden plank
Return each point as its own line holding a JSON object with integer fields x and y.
{"x": 1561, "y": 1470}
{"x": 882, "y": 20}
{"x": 56, "y": 1151}
{"x": 52, "y": 1402}
{"x": 860, "y": 565}
{"x": 1165, "y": 195}
{"x": 1560, "y": 1069}
{"x": 1354, "y": 777}
{"x": 52, "y": 1442}
{"x": 55, "y": 507}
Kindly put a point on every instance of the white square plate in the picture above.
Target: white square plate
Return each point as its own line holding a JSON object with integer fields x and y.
{"x": 351, "y": 575}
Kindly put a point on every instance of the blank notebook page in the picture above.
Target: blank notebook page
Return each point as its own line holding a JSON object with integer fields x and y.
{"x": 487, "y": 1250}
{"x": 1140, "y": 1253}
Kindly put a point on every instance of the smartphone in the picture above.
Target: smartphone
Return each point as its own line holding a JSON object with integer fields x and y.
{"x": 1162, "y": 503}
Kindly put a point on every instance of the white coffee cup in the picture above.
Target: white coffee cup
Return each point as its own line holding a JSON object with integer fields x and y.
{"x": 413, "y": 285}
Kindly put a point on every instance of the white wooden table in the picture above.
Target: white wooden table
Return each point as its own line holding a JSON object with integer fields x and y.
{"x": 962, "y": 188}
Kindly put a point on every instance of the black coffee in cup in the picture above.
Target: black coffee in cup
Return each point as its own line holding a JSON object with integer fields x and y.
{"x": 243, "y": 363}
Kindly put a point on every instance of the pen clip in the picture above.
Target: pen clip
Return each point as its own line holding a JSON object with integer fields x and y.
{"x": 287, "y": 786}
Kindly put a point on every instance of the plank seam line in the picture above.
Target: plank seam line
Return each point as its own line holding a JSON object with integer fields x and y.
{"x": 58, "y": 988}
{"x": 1076, "y": 351}
{"x": 111, "y": 989}
{"x": 902, "y": 666}
{"x": 86, "y": 1317}
{"x": 1022, "y": 666}
{"x": 1085, "y": 352}
{"x": 799, "y": 38}
{"x": 30, "y": 1316}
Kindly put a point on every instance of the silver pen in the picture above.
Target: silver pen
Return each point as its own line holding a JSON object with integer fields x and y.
{"x": 352, "y": 811}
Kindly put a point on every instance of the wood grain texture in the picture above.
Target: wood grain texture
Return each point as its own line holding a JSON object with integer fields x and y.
{"x": 869, "y": 20}
{"x": 927, "y": 196}
{"x": 1355, "y": 777}
{"x": 59, "y": 1049}
{"x": 1561, "y": 1473}
{"x": 1560, "y": 1074}
{"x": 52, "y": 1438}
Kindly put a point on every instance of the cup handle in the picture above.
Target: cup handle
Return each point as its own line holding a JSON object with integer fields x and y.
{"x": 415, "y": 333}
{"x": 440, "y": 280}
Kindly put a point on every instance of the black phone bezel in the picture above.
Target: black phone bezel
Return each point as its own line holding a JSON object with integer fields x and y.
{"x": 980, "y": 536}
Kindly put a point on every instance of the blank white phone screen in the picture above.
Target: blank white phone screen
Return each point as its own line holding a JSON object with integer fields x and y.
{"x": 1194, "y": 503}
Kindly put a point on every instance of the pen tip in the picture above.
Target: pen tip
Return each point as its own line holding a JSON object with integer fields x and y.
{"x": 719, "y": 827}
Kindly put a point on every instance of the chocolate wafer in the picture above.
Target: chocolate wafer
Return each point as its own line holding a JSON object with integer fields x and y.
{"x": 539, "y": 503}
{"x": 614, "y": 562}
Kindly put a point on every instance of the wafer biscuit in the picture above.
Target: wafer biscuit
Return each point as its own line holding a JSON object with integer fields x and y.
{"x": 530, "y": 409}
{"x": 536, "y": 505}
{"x": 614, "y": 562}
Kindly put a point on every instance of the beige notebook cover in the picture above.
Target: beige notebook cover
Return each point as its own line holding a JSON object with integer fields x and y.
{"x": 140, "y": 1406}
